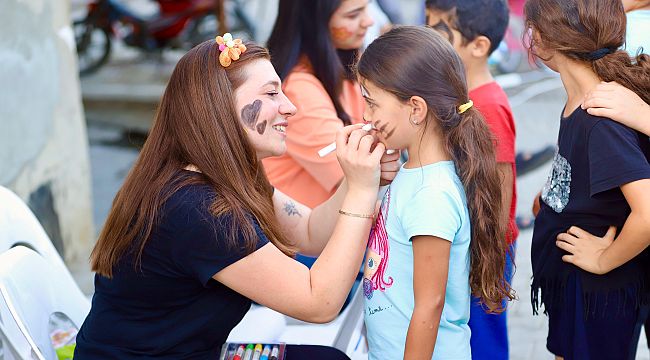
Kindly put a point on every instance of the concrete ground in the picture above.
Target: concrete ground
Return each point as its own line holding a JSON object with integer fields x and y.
{"x": 536, "y": 103}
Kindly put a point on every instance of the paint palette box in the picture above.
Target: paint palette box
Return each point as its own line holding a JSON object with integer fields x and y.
{"x": 253, "y": 351}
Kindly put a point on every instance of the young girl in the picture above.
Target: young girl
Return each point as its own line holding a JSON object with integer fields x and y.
{"x": 618, "y": 103}
{"x": 438, "y": 237}
{"x": 313, "y": 46}
{"x": 600, "y": 177}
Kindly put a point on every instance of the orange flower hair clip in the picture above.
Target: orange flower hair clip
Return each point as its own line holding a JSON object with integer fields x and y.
{"x": 230, "y": 49}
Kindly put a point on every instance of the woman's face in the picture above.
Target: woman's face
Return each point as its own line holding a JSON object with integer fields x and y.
{"x": 263, "y": 109}
{"x": 349, "y": 23}
{"x": 390, "y": 116}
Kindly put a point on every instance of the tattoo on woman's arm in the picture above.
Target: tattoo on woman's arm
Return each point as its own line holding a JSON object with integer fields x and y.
{"x": 290, "y": 209}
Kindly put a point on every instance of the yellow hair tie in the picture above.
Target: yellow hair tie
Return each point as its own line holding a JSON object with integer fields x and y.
{"x": 466, "y": 106}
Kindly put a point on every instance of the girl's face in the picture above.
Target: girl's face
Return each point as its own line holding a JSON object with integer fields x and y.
{"x": 546, "y": 56}
{"x": 392, "y": 117}
{"x": 263, "y": 109}
{"x": 349, "y": 23}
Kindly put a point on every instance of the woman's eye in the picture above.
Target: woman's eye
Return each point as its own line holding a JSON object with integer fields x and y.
{"x": 272, "y": 93}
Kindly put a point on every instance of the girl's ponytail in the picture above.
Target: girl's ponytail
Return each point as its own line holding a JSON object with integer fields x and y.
{"x": 471, "y": 146}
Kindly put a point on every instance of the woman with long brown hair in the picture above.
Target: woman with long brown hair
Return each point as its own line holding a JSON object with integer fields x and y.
{"x": 600, "y": 178}
{"x": 196, "y": 232}
{"x": 439, "y": 234}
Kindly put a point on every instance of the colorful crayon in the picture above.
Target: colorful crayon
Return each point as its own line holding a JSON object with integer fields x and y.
{"x": 274, "y": 353}
{"x": 266, "y": 353}
{"x": 239, "y": 353}
{"x": 257, "y": 352}
{"x": 248, "y": 355}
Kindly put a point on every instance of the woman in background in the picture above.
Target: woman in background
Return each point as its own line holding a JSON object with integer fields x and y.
{"x": 313, "y": 46}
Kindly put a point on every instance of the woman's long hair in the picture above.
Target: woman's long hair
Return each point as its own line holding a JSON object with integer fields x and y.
{"x": 592, "y": 32}
{"x": 196, "y": 123}
{"x": 302, "y": 28}
{"x": 416, "y": 61}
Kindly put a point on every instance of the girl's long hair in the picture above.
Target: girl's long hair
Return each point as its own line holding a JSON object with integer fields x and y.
{"x": 416, "y": 61}
{"x": 579, "y": 29}
{"x": 302, "y": 28}
{"x": 196, "y": 123}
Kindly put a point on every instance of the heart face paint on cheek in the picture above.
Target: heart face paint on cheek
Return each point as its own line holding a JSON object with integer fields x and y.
{"x": 251, "y": 112}
{"x": 261, "y": 127}
{"x": 341, "y": 33}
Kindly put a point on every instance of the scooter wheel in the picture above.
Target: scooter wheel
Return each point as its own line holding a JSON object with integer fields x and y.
{"x": 93, "y": 46}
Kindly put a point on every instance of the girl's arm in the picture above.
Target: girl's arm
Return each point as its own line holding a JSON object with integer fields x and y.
{"x": 430, "y": 270}
{"x": 311, "y": 229}
{"x": 279, "y": 282}
{"x": 618, "y": 103}
{"x": 602, "y": 255}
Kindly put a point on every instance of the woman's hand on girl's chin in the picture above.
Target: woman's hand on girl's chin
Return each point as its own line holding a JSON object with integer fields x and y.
{"x": 362, "y": 167}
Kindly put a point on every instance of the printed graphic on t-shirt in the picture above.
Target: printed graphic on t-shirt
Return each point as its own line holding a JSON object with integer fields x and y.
{"x": 558, "y": 186}
{"x": 377, "y": 254}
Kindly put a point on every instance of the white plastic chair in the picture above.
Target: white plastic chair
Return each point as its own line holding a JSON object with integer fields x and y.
{"x": 31, "y": 290}
{"x": 19, "y": 226}
{"x": 7, "y": 349}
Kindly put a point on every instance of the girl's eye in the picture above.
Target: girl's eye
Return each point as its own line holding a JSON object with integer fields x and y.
{"x": 272, "y": 93}
{"x": 353, "y": 15}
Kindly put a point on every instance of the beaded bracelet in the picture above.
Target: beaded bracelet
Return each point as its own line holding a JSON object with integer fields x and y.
{"x": 365, "y": 216}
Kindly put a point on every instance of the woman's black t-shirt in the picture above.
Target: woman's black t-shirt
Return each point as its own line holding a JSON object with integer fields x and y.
{"x": 170, "y": 307}
{"x": 596, "y": 157}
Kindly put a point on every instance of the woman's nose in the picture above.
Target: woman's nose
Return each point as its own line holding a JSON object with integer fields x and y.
{"x": 287, "y": 108}
{"x": 367, "y": 20}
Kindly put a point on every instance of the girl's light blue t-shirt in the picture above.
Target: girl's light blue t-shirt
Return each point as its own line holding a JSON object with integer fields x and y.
{"x": 424, "y": 201}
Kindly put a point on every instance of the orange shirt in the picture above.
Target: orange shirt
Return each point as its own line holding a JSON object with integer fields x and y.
{"x": 300, "y": 172}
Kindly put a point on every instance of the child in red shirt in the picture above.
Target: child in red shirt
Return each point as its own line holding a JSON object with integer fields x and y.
{"x": 476, "y": 28}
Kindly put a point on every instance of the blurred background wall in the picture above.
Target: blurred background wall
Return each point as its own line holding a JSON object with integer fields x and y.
{"x": 43, "y": 142}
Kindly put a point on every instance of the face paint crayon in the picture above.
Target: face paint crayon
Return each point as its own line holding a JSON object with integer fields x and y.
{"x": 331, "y": 147}
{"x": 248, "y": 355}
{"x": 239, "y": 353}
{"x": 274, "y": 353}
{"x": 266, "y": 353}
{"x": 257, "y": 352}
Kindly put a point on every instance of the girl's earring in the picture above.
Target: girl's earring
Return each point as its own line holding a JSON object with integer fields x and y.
{"x": 413, "y": 122}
